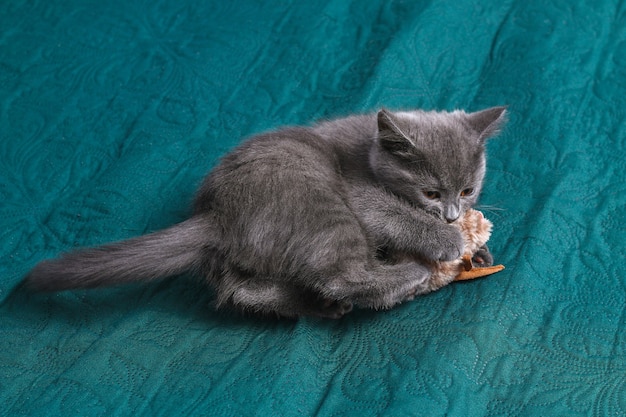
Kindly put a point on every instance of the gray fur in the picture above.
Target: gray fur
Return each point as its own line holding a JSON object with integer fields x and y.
{"x": 307, "y": 221}
{"x": 168, "y": 252}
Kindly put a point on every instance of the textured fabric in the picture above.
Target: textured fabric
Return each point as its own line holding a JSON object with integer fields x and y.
{"x": 112, "y": 111}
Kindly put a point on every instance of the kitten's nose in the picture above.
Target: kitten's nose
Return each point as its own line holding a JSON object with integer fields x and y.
{"x": 451, "y": 213}
{"x": 451, "y": 219}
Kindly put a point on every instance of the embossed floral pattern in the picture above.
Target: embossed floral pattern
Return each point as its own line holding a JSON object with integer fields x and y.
{"x": 111, "y": 113}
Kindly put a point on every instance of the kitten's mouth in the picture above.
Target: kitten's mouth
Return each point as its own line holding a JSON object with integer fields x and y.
{"x": 439, "y": 216}
{"x": 459, "y": 219}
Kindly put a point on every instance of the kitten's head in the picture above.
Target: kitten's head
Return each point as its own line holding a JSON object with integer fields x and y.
{"x": 435, "y": 160}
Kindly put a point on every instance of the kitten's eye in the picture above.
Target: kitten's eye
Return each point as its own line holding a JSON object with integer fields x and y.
{"x": 432, "y": 195}
{"x": 466, "y": 192}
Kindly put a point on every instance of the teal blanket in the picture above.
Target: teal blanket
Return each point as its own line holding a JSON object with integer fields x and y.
{"x": 111, "y": 112}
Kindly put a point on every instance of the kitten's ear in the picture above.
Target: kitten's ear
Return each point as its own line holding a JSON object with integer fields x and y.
{"x": 390, "y": 135}
{"x": 488, "y": 122}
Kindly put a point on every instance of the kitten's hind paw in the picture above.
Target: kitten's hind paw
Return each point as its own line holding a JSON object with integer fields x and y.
{"x": 333, "y": 309}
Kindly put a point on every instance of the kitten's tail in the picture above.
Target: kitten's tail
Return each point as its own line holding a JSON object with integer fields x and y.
{"x": 164, "y": 253}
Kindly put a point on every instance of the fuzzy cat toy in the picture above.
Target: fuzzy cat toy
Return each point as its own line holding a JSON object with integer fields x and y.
{"x": 476, "y": 230}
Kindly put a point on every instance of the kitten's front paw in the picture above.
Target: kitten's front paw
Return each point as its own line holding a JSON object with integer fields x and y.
{"x": 448, "y": 246}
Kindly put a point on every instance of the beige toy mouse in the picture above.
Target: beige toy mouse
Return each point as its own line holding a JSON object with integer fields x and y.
{"x": 476, "y": 230}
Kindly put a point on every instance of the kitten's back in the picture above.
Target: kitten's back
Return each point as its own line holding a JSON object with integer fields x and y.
{"x": 275, "y": 195}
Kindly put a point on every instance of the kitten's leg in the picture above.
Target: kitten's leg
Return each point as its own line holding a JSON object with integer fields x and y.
{"x": 402, "y": 228}
{"x": 269, "y": 297}
{"x": 272, "y": 297}
{"x": 379, "y": 286}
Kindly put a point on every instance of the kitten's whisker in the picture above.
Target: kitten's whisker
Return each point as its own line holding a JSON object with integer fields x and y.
{"x": 496, "y": 211}
{"x": 489, "y": 207}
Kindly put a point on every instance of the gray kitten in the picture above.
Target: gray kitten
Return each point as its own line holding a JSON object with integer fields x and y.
{"x": 308, "y": 220}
